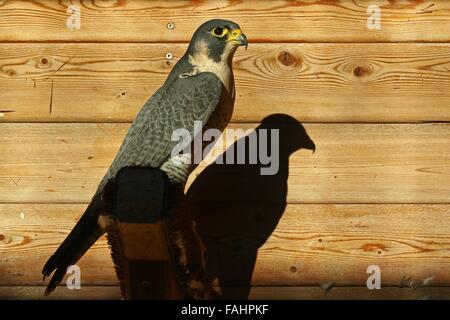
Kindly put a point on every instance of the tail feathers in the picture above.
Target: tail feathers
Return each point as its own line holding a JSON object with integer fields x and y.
{"x": 80, "y": 239}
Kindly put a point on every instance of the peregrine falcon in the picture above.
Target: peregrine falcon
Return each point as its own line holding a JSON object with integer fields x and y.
{"x": 200, "y": 87}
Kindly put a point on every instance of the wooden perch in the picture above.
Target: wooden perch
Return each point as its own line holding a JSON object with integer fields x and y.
{"x": 137, "y": 198}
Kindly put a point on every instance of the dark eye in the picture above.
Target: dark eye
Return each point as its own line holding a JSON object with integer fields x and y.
{"x": 218, "y": 31}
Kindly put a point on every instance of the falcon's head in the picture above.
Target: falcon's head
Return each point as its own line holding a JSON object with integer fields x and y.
{"x": 218, "y": 39}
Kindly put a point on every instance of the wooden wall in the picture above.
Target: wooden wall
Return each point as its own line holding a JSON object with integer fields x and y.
{"x": 376, "y": 103}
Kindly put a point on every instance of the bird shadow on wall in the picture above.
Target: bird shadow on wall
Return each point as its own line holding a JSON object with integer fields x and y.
{"x": 236, "y": 208}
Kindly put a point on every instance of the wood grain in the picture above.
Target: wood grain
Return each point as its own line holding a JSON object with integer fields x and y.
{"x": 263, "y": 21}
{"x": 311, "y": 82}
{"x": 264, "y": 293}
{"x": 61, "y": 293}
{"x": 311, "y": 244}
{"x": 314, "y": 60}
{"x": 349, "y": 293}
{"x": 353, "y": 163}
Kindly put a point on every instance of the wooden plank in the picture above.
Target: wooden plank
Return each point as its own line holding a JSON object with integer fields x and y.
{"x": 269, "y": 293}
{"x": 353, "y": 163}
{"x": 61, "y": 293}
{"x": 348, "y": 293}
{"x": 31, "y": 233}
{"x": 311, "y": 82}
{"x": 312, "y": 20}
{"x": 314, "y": 245}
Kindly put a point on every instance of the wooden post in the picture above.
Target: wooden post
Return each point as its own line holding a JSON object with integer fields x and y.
{"x": 138, "y": 241}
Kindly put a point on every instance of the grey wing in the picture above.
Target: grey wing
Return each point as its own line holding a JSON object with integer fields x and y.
{"x": 177, "y": 104}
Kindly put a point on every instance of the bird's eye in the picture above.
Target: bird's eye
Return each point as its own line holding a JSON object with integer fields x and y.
{"x": 218, "y": 31}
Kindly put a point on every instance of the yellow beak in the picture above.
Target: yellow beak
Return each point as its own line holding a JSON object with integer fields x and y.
{"x": 237, "y": 38}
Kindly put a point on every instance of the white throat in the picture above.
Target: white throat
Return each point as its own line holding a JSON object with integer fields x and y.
{"x": 222, "y": 69}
